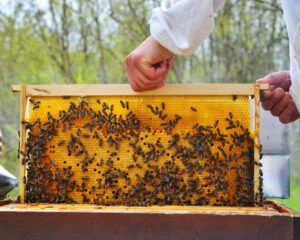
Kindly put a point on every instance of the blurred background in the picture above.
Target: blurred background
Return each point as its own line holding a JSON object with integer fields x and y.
{"x": 86, "y": 41}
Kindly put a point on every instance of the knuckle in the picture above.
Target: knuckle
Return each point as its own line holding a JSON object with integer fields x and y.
{"x": 289, "y": 96}
{"x": 137, "y": 89}
{"x": 152, "y": 78}
{"x": 284, "y": 102}
{"x": 132, "y": 59}
{"x": 135, "y": 58}
{"x": 274, "y": 112}
{"x": 279, "y": 92}
{"x": 283, "y": 118}
{"x": 289, "y": 110}
{"x": 146, "y": 81}
{"x": 266, "y": 105}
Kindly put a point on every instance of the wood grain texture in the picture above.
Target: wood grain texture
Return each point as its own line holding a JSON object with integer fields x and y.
{"x": 256, "y": 140}
{"x": 267, "y": 210}
{"x": 43, "y": 221}
{"x": 125, "y": 89}
{"x": 84, "y": 225}
{"x": 22, "y": 170}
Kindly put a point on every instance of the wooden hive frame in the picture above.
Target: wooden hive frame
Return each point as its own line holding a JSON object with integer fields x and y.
{"x": 27, "y": 91}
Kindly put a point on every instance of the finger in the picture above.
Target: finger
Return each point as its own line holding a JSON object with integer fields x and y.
{"x": 161, "y": 70}
{"x": 265, "y": 94}
{"x": 277, "y": 95}
{"x": 156, "y": 86}
{"x": 134, "y": 84}
{"x": 262, "y": 80}
{"x": 145, "y": 81}
{"x": 274, "y": 79}
{"x": 277, "y": 80}
{"x": 130, "y": 69}
{"x": 160, "y": 65}
{"x": 138, "y": 83}
{"x": 278, "y": 108}
{"x": 162, "y": 78}
{"x": 281, "y": 80}
{"x": 148, "y": 88}
{"x": 152, "y": 72}
{"x": 286, "y": 116}
{"x": 290, "y": 114}
{"x": 286, "y": 84}
{"x": 134, "y": 79}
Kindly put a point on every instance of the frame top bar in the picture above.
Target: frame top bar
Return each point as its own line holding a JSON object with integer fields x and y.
{"x": 125, "y": 89}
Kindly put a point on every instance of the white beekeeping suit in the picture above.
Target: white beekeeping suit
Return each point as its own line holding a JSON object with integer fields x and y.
{"x": 291, "y": 10}
{"x": 182, "y": 25}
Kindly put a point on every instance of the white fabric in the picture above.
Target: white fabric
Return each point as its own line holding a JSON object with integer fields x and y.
{"x": 182, "y": 25}
{"x": 291, "y": 10}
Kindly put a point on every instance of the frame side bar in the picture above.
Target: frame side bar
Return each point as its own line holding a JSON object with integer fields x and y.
{"x": 22, "y": 168}
{"x": 257, "y": 184}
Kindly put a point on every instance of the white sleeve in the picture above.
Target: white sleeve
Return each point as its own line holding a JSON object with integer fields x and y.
{"x": 295, "y": 64}
{"x": 182, "y": 25}
{"x": 295, "y": 78}
{"x": 292, "y": 17}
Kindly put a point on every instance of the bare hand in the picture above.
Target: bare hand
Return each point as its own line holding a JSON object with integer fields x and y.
{"x": 277, "y": 99}
{"x": 148, "y": 66}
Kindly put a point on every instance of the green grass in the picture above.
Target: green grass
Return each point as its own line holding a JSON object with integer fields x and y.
{"x": 13, "y": 193}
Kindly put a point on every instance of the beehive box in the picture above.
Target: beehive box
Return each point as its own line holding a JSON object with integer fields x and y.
{"x": 107, "y": 145}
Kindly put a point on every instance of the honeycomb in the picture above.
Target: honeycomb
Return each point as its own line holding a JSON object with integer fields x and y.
{"x": 140, "y": 150}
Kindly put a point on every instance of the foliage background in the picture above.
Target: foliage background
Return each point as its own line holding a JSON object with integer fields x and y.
{"x": 86, "y": 41}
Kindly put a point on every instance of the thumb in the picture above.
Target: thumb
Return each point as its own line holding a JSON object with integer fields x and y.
{"x": 262, "y": 80}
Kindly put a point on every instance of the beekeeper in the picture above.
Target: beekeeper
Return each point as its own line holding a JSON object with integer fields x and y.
{"x": 178, "y": 27}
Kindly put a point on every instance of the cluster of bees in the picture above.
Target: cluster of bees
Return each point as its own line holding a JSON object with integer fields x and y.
{"x": 92, "y": 155}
